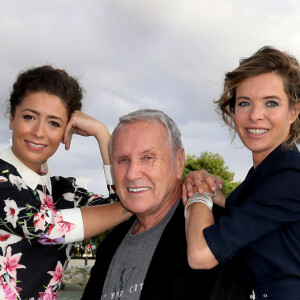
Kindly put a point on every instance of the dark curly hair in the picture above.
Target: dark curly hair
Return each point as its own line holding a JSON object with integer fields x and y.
{"x": 265, "y": 60}
{"x": 50, "y": 80}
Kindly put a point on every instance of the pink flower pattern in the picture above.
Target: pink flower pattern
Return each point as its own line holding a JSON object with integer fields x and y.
{"x": 39, "y": 219}
{"x": 30, "y": 219}
{"x": 48, "y": 295}
{"x": 60, "y": 227}
{"x": 10, "y": 263}
{"x": 12, "y": 211}
{"x": 46, "y": 200}
{"x": 57, "y": 275}
{"x": 6, "y": 238}
{"x": 6, "y": 290}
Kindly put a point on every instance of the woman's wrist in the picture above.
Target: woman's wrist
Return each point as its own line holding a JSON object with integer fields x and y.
{"x": 220, "y": 199}
{"x": 102, "y": 136}
{"x": 198, "y": 198}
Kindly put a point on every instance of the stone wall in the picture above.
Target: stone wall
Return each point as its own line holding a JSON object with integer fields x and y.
{"x": 76, "y": 277}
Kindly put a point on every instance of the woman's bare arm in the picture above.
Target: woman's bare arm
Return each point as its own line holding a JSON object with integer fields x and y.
{"x": 199, "y": 216}
{"x": 99, "y": 218}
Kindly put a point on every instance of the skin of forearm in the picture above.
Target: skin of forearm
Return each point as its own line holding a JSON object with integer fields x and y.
{"x": 99, "y": 218}
{"x": 103, "y": 136}
{"x": 198, "y": 218}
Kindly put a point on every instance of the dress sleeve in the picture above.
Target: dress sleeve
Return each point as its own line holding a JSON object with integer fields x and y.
{"x": 36, "y": 215}
{"x": 73, "y": 216}
{"x": 274, "y": 203}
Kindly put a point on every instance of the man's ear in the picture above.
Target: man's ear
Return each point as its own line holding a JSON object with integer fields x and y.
{"x": 180, "y": 162}
{"x": 11, "y": 122}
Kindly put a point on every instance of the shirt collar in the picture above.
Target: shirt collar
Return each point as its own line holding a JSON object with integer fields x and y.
{"x": 30, "y": 178}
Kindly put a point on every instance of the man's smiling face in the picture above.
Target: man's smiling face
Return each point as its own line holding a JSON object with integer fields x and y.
{"x": 147, "y": 177}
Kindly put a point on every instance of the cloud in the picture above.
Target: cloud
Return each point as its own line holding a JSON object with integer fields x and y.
{"x": 170, "y": 55}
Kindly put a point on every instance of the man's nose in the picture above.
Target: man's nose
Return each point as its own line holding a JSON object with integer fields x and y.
{"x": 134, "y": 170}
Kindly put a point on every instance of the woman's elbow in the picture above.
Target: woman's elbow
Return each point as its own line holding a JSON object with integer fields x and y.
{"x": 201, "y": 259}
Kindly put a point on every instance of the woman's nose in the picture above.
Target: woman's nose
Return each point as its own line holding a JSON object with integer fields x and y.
{"x": 256, "y": 113}
{"x": 38, "y": 129}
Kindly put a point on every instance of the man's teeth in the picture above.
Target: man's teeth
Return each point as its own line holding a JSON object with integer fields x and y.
{"x": 257, "y": 131}
{"x": 136, "y": 190}
{"x": 35, "y": 145}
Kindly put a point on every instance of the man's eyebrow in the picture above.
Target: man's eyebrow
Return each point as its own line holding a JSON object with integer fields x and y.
{"x": 152, "y": 149}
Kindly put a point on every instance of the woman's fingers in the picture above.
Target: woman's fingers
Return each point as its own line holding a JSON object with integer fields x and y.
{"x": 195, "y": 182}
{"x": 68, "y": 136}
{"x": 218, "y": 182}
{"x": 79, "y": 123}
{"x": 184, "y": 195}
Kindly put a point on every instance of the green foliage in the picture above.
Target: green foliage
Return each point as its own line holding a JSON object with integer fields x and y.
{"x": 99, "y": 238}
{"x": 96, "y": 239}
{"x": 213, "y": 164}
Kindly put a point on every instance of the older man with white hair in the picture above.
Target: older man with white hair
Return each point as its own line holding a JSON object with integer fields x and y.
{"x": 146, "y": 257}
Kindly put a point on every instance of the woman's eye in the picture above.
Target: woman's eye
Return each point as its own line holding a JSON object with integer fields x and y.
{"x": 54, "y": 124}
{"x": 28, "y": 117}
{"x": 272, "y": 103}
{"x": 243, "y": 103}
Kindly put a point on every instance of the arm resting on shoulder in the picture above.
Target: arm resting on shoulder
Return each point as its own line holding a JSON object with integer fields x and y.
{"x": 99, "y": 218}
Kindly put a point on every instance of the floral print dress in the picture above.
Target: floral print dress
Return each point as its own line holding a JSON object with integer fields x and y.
{"x": 33, "y": 255}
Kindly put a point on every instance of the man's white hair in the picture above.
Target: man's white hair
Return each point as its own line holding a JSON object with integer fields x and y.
{"x": 153, "y": 115}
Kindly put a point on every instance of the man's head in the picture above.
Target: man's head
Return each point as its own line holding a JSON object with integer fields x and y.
{"x": 148, "y": 161}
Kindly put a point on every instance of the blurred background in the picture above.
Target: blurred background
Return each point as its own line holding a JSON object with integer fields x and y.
{"x": 132, "y": 54}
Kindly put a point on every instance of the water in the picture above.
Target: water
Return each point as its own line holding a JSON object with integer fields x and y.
{"x": 69, "y": 295}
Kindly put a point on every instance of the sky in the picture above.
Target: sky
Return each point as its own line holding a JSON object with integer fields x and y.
{"x": 131, "y": 54}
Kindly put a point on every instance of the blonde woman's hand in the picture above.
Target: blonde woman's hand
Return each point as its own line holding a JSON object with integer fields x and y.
{"x": 193, "y": 182}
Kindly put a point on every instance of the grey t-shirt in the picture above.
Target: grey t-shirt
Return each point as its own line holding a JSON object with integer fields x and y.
{"x": 128, "y": 268}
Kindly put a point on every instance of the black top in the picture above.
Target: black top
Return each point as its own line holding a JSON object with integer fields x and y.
{"x": 169, "y": 275}
{"x": 263, "y": 225}
{"x": 32, "y": 261}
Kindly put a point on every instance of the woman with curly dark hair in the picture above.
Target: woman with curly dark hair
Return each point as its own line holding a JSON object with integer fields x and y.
{"x": 42, "y": 216}
{"x": 260, "y": 102}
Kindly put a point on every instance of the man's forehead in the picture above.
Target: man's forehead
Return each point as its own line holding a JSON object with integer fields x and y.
{"x": 140, "y": 136}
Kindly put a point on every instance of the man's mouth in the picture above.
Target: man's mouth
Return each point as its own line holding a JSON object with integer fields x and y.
{"x": 136, "y": 190}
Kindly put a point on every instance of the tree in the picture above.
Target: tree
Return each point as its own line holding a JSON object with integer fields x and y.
{"x": 213, "y": 164}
